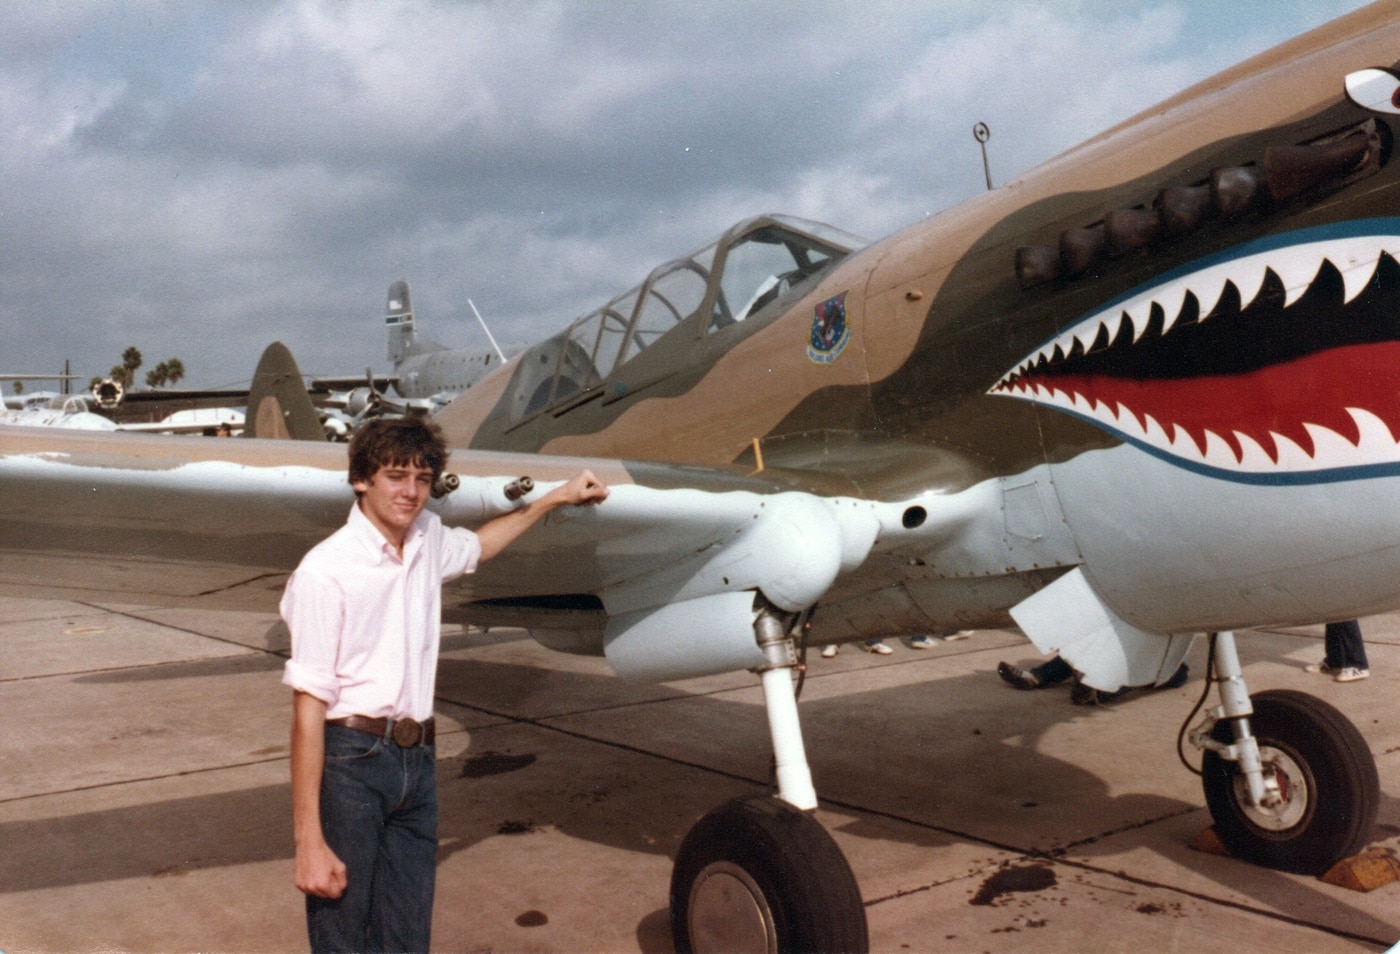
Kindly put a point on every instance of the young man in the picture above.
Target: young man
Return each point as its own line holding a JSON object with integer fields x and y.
{"x": 364, "y": 611}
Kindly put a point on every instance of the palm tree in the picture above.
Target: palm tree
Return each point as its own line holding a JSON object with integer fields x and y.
{"x": 167, "y": 372}
{"x": 131, "y": 360}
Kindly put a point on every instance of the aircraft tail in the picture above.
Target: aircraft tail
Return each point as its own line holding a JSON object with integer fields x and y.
{"x": 278, "y": 405}
{"x": 398, "y": 321}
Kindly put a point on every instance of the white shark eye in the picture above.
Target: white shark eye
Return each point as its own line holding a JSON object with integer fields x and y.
{"x": 1376, "y": 90}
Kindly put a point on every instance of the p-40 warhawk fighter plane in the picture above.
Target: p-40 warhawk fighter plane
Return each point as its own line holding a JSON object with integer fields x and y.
{"x": 1150, "y": 390}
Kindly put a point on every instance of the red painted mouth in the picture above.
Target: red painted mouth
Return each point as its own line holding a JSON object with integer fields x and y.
{"x": 1302, "y": 377}
{"x": 1282, "y": 401}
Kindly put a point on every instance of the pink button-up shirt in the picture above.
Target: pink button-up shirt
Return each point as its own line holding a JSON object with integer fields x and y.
{"x": 366, "y": 624}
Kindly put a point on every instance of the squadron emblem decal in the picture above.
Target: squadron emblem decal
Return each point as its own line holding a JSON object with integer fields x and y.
{"x": 830, "y": 330}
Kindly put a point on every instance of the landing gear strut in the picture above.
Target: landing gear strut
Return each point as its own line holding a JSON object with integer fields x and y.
{"x": 759, "y": 873}
{"x": 1290, "y": 782}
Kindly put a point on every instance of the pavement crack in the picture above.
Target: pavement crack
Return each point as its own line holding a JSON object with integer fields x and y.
{"x": 118, "y": 782}
{"x": 1135, "y": 826}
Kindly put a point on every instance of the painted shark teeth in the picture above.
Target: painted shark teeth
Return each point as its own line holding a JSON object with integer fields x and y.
{"x": 1350, "y": 437}
{"x": 1296, "y": 266}
{"x": 1376, "y": 444}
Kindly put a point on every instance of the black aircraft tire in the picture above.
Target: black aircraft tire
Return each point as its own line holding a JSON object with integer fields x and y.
{"x": 1329, "y": 779}
{"x": 757, "y": 873}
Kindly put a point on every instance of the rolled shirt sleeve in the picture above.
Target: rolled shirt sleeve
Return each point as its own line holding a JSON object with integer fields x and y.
{"x": 313, "y": 607}
{"x": 461, "y": 552}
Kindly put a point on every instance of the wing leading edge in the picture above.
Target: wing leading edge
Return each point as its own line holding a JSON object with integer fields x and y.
{"x": 663, "y": 579}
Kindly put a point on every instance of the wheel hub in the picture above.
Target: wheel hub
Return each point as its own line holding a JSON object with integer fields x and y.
{"x": 1293, "y": 790}
{"x": 728, "y": 913}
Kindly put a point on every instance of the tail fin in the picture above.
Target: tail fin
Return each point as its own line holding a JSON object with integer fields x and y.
{"x": 278, "y": 405}
{"x": 398, "y": 320}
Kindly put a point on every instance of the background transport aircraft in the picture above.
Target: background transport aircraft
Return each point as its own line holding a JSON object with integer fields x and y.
{"x": 426, "y": 375}
{"x": 108, "y": 406}
{"x": 74, "y": 411}
{"x": 199, "y": 409}
{"x": 49, "y": 408}
{"x": 75, "y": 416}
{"x": 423, "y": 368}
{"x": 20, "y": 400}
{"x": 1147, "y": 391}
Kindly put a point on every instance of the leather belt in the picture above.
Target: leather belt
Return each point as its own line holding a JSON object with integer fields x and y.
{"x": 404, "y": 732}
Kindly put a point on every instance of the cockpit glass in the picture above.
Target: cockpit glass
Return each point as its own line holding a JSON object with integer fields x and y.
{"x": 755, "y": 268}
{"x": 610, "y": 336}
{"x": 600, "y": 336}
{"x": 673, "y": 294}
{"x": 762, "y": 267}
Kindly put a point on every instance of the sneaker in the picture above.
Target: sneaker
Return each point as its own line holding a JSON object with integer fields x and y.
{"x": 877, "y": 647}
{"x": 921, "y": 642}
{"x": 1082, "y": 695}
{"x": 1352, "y": 674}
{"x": 1018, "y": 677}
{"x": 1324, "y": 668}
{"x": 829, "y": 650}
{"x": 960, "y": 634}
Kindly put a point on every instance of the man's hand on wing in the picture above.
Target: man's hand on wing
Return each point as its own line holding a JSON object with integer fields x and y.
{"x": 582, "y": 488}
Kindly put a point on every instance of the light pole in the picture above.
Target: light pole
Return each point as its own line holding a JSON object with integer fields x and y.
{"x": 981, "y": 132}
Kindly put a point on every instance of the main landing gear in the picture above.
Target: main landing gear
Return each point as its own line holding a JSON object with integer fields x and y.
{"x": 759, "y": 873}
{"x": 1290, "y": 782}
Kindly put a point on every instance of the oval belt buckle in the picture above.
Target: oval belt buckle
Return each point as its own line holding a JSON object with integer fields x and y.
{"x": 407, "y": 732}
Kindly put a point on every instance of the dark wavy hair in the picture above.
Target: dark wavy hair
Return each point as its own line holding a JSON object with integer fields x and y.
{"x": 396, "y": 442}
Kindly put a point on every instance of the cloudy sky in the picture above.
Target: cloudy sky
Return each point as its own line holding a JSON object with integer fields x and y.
{"x": 199, "y": 179}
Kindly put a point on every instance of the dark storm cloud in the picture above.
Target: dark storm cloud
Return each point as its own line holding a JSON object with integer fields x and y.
{"x": 200, "y": 179}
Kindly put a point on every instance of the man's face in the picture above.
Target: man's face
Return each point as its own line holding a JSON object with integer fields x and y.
{"x": 394, "y": 497}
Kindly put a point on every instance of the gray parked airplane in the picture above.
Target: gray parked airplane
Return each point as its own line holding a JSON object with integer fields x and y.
{"x": 427, "y": 376}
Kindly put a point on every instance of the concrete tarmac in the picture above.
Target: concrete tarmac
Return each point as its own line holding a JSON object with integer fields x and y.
{"x": 145, "y": 804}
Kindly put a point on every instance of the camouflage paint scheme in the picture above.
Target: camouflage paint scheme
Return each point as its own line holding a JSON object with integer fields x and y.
{"x": 902, "y": 383}
{"x": 935, "y": 311}
{"x": 1262, "y": 382}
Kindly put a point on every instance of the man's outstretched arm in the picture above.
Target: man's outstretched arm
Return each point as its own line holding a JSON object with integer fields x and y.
{"x": 497, "y": 534}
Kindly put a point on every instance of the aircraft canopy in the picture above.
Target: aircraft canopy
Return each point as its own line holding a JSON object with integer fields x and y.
{"x": 746, "y": 275}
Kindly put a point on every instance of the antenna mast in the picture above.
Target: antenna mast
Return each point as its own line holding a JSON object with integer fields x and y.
{"x": 501, "y": 353}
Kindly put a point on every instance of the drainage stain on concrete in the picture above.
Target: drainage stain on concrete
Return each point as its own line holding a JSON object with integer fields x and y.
{"x": 1009, "y": 880}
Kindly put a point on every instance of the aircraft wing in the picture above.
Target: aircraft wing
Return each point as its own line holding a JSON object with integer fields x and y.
{"x": 190, "y": 521}
{"x": 151, "y": 407}
{"x": 325, "y": 385}
{"x": 664, "y": 578}
{"x": 184, "y": 427}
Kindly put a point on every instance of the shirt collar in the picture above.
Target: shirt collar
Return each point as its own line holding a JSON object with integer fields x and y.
{"x": 379, "y": 545}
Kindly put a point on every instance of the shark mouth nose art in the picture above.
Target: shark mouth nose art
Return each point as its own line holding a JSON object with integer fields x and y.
{"x": 1276, "y": 362}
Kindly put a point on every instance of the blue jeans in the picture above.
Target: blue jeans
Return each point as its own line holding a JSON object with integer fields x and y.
{"x": 1344, "y": 645}
{"x": 379, "y": 814}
